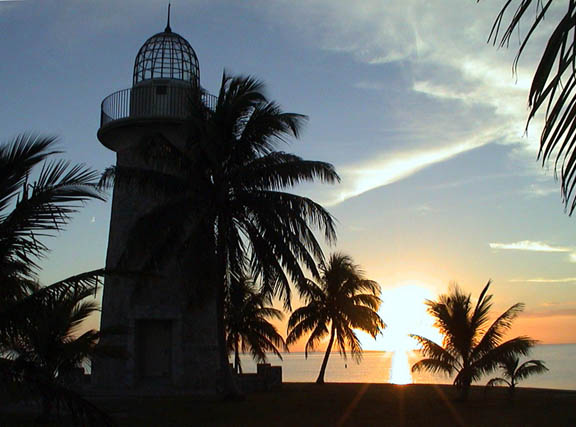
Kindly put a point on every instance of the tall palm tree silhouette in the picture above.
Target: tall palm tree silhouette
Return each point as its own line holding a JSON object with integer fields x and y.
{"x": 247, "y": 322}
{"x": 341, "y": 301}
{"x": 471, "y": 347}
{"x": 513, "y": 372}
{"x": 224, "y": 198}
{"x": 37, "y": 199}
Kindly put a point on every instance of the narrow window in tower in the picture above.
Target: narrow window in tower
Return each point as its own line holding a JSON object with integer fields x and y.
{"x": 161, "y": 90}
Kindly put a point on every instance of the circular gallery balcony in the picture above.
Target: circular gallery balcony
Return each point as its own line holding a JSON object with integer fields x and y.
{"x": 142, "y": 107}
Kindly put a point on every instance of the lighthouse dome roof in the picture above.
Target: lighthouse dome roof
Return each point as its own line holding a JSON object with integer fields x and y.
{"x": 166, "y": 55}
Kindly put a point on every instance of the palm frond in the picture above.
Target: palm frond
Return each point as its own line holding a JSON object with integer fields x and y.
{"x": 497, "y": 330}
{"x": 150, "y": 182}
{"x": 278, "y": 170}
{"x": 433, "y": 366}
{"x": 363, "y": 318}
{"x": 434, "y": 351}
{"x": 44, "y": 208}
{"x": 553, "y": 85}
{"x": 17, "y": 158}
{"x": 491, "y": 359}
{"x": 497, "y": 381}
{"x": 529, "y": 368}
{"x": 483, "y": 306}
{"x": 303, "y": 320}
{"x": 319, "y": 332}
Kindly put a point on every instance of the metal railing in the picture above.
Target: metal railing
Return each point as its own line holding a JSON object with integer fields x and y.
{"x": 155, "y": 101}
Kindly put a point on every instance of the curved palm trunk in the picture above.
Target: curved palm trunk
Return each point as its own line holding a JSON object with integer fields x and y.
{"x": 320, "y": 379}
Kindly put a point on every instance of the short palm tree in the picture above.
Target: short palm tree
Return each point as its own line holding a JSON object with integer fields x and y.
{"x": 224, "y": 198}
{"x": 247, "y": 322}
{"x": 42, "y": 344}
{"x": 512, "y": 373}
{"x": 470, "y": 347}
{"x": 341, "y": 301}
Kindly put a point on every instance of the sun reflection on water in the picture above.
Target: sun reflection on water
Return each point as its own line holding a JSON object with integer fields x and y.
{"x": 400, "y": 368}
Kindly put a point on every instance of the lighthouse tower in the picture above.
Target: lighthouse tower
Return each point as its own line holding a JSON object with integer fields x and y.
{"x": 170, "y": 343}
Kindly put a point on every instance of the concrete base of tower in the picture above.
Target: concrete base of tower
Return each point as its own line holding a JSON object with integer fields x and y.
{"x": 164, "y": 352}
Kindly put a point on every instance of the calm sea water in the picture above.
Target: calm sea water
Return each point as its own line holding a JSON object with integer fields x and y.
{"x": 384, "y": 367}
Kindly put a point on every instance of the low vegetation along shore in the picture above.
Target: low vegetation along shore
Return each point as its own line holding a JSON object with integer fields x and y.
{"x": 298, "y": 404}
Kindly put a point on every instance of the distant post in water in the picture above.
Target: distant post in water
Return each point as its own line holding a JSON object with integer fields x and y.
{"x": 170, "y": 344}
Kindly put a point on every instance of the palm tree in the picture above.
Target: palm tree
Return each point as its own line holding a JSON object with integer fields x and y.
{"x": 42, "y": 344}
{"x": 247, "y": 326}
{"x": 553, "y": 88}
{"x": 514, "y": 373}
{"x": 29, "y": 212}
{"x": 342, "y": 300}
{"x": 470, "y": 347}
{"x": 224, "y": 200}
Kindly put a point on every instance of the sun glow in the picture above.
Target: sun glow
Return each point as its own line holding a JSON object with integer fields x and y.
{"x": 400, "y": 372}
{"x": 403, "y": 310}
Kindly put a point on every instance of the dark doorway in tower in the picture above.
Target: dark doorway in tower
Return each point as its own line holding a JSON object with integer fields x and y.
{"x": 154, "y": 350}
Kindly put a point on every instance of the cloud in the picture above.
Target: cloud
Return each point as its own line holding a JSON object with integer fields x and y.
{"x": 8, "y": 4}
{"x": 528, "y": 245}
{"x": 444, "y": 52}
{"x": 391, "y": 168}
{"x": 543, "y": 280}
{"x": 535, "y": 190}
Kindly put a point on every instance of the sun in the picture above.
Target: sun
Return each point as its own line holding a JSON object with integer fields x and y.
{"x": 403, "y": 310}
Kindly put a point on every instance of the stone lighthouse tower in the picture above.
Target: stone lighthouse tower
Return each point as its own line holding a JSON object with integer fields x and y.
{"x": 171, "y": 344}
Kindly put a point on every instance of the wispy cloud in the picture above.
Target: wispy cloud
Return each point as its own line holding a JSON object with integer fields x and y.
{"x": 529, "y": 245}
{"x": 535, "y": 190}
{"x": 543, "y": 280}
{"x": 364, "y": 177}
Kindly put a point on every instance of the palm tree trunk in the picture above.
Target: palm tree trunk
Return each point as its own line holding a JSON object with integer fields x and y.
{"x": 230, "y": 389}
{"x": 464, "y": 391}
{"x": 320, "y": 379}
{"x": 511, "y": 390}
{"x": 466, "y": 380}
{"x": 238, "y": 366}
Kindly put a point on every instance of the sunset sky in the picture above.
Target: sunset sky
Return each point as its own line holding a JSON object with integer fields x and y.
{"x": 421, "y": 117}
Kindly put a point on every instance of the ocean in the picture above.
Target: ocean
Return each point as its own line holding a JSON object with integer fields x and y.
{"x": 386, "y": 367}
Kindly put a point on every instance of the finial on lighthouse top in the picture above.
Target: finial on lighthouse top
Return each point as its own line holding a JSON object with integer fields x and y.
{"x": 168, "y": 29}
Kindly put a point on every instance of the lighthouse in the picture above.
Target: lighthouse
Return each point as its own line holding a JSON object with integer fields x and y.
{"x": 170, "y": 344}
